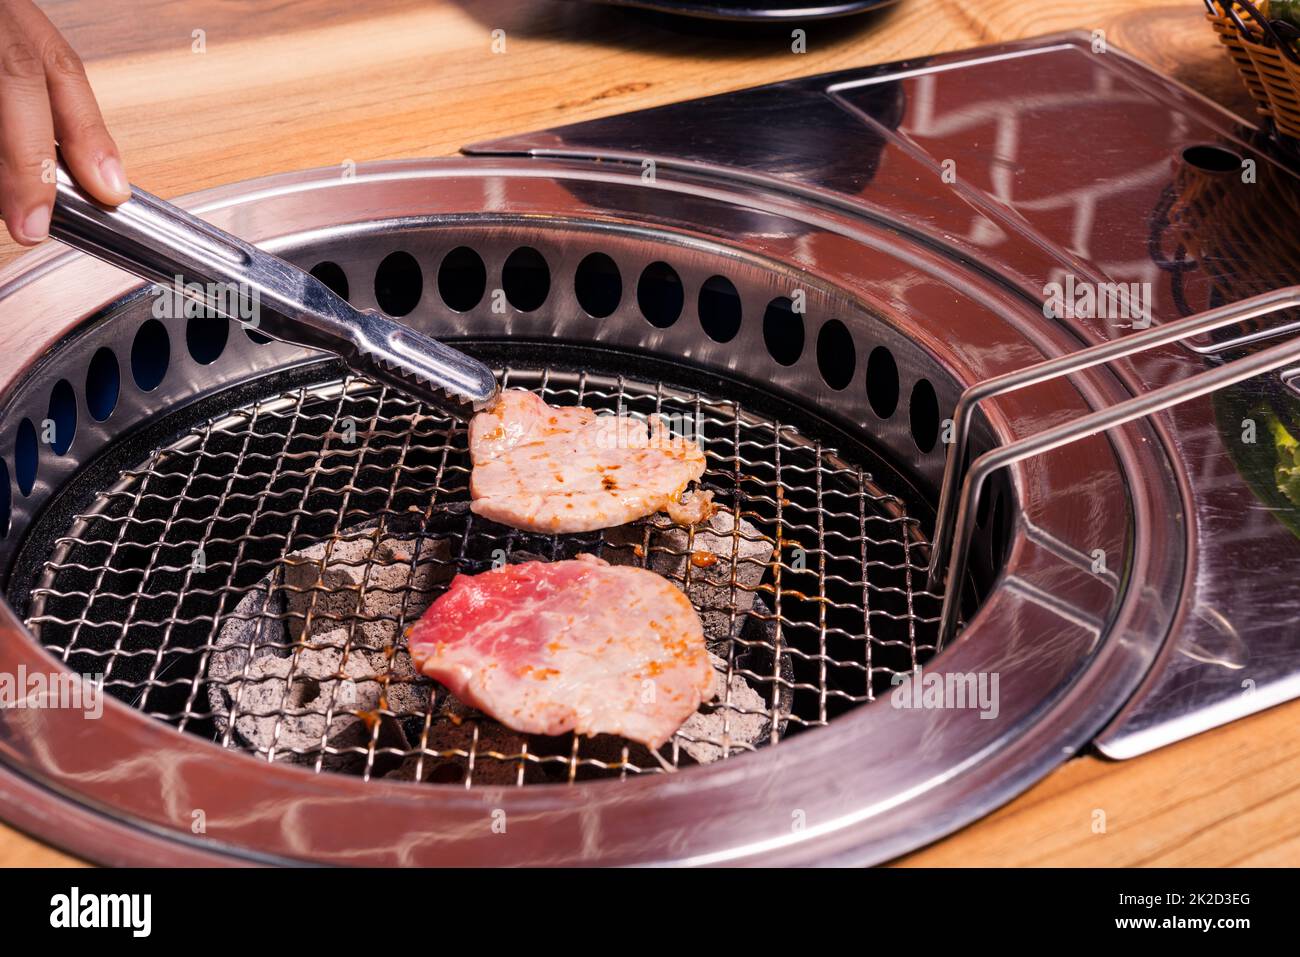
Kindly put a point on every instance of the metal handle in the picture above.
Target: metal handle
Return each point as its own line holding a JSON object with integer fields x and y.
{"x": 955, "y": 521}
{"x": 155, "y": 240}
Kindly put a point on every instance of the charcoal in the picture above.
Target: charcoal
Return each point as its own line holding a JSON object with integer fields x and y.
{"x": 672, "y": 553}
{"x": 393, "y": 589}
{"x": 453, "y": 728}
{"x": 377, "y": 675}
{"x": 725, "y": 719}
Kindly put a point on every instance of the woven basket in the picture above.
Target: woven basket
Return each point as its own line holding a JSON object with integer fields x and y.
{"x": 1269, "y": 65}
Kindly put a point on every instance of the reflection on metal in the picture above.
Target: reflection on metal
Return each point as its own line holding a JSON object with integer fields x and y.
{"x": 951, "y": 517}
{"x": 1229, "y": 651}
{"x": 1130, "y": 410}
{"x": 829, "y": 185}
{"x": 1035, "y": 533}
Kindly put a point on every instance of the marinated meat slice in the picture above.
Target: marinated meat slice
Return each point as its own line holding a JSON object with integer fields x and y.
{"x": 566, "y": 469}
{"x": 579, "y": 645}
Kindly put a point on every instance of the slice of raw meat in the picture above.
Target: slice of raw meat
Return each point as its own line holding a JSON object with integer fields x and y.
{"x": 566, "y": 469}
{"x": 575, "y": 645}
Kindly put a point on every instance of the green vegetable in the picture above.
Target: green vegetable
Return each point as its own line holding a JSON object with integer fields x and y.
{"x": 1287, "y": 470}
{"x": 1285, "y": 10}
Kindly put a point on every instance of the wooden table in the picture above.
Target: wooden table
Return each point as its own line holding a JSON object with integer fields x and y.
{"x": 305, "y": 83}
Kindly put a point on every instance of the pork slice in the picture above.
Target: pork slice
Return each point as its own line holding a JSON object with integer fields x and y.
{"x": 554, "y": 470}
{"x": 576, "y": 645}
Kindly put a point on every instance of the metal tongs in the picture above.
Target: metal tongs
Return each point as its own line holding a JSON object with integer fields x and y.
{"x": 157, "y": 241}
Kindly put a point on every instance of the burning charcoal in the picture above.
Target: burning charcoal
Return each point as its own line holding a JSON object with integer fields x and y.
{"x": 708, "y": 558}
{"x": 321, "y": 680}
{"x": 378, "y": 674}
{"x": 399, "y": 585}
{"x": 725, "y": 720}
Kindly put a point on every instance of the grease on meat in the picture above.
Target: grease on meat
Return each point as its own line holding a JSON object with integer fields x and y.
{"x": 579, "y": 645}
{"x": 566, "y": 469}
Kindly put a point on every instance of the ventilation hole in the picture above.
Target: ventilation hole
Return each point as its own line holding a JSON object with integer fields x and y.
{"x": 103, "y": 383}
{"x": 924, "y": 410}
{"x": 598, "y": 285}
{"x": 205, "y": 337}
{"x": 526, "y": 279}
{"x": 25, "y": 456}
{"x": 659, "y": 294}
{"x": 719, "y": 309}
{"x": 398, "y": 283}
{"x": 6, "y": 499}
{"x": 333, "y": 276}
{"x": 462, "y": 279}
{"x": 150, "y": 354}
{"x": 254, "y": 335}
{"x": 783, "y": 331}
{"x": 882, "y": 382}
{"x": 836, "y": 355}
{"x": 1212, "y": 158}
{"x": 63, "y": 414}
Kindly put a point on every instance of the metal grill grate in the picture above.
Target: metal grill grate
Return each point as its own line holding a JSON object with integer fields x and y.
{"x": 251, "y": 582}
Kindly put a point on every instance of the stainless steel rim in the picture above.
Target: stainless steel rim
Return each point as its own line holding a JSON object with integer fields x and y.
{"x": 870, "y": 807}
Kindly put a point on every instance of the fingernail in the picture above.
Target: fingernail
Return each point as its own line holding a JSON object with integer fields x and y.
{"x": 110, "y": 167}
{"x": 37, "y": 224}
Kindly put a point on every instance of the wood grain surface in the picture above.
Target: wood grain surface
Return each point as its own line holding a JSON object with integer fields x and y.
{"x": 303, "y": 83}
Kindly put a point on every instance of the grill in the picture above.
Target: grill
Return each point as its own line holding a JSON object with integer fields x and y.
{"x": 148, "y": 578}
{"x": 234, "y": 533}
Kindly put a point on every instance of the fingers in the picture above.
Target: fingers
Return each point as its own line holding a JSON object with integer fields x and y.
{"x": 26, "y": 139}
{"x": 87, "y": 147}
{"x": 44, "y": 94}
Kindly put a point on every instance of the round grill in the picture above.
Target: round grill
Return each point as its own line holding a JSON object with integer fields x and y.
{"x": 236, "y": 534}
{"x": 251, "y": 580}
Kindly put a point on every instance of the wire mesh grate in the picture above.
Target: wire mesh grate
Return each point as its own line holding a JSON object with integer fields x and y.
{"x": 251, "y": 582}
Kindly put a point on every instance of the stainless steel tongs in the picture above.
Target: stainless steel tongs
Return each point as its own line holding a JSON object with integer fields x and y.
{"x": 157, "y": 241}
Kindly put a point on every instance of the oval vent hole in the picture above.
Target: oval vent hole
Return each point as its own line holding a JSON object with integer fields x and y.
{"x": 836, "y": 355}
{"x": 924, "y": 411}
{"x": 1212, "y": 158}
{"x": 25, "y": 456}
{"x": 205, "y": 337}
{"x": 63, "y": 416}
{"x": 660, "y": 295}
{"x": 150, "y": 353}
{"x": 399, "y": 283}
{"x": 598, "y": 285}
{"x": 103, "y": 383}
{"x": 526, "y": 279}
{"x": 720, "y": 310}
{"x": 333, "y": 276}
{"x": 882, "y": 382}
{"x": 783, "y": 331}
{"x": 462, "y": 279}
